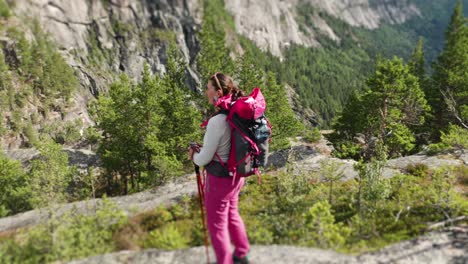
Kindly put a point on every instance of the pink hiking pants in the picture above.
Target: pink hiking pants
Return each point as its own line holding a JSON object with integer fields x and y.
{"x": 224, "y": 222}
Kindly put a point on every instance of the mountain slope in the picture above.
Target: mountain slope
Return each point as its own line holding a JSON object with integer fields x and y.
{"x": 326, "y": 47}
{"x": 274, "y": 25}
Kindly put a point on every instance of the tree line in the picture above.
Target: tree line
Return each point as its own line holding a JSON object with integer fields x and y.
{"x": 405, "y": 108}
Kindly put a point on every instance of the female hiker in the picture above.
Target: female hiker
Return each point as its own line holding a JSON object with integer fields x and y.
{"x": 225, "y": 225}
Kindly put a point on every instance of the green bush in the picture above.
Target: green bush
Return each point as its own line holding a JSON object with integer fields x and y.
{"x": 442, "y": 195}
{"x": 16, "y": 122}
{"x": 461, "y": 174}
{"x": 3, "y": 129}
{"x": 14, "y": 187}
{"x": 50, "y": 175}
{"x": 279, "y": 144}
{"x": 163, "y": 35}
{"x": 71, "y": 131}
{"x": 120, "y": 28}
{"x": 4, "y": 9}
{"x": 455, "y": 138}
{"x": 30, "y": 134}
{"x": 258, "y": 232}
{"x": 65, "y": 238}
{"x": 92, "y": 135}
{"x": 321, "y": 229}
{"x": 373, "y": 188}
{"x": 348, "y": 150}
{"x": 83, "y": 185}
{"x": 156, "y": 219}
{"x": 42, "y": 65}
{"x": 168, "y": 237}
{"x": 35, "y": 118}
{"x": 96, "y": 54}
{"x": 418, "y": 169}
{"x": 65, "y": 132}
{"x": 312, "y": 135}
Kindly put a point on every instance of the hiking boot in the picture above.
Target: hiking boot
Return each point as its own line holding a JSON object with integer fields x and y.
{"x": 237, "y": 260}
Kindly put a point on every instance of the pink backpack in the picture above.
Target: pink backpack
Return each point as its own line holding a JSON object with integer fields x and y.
{"x": 250, "y": 136}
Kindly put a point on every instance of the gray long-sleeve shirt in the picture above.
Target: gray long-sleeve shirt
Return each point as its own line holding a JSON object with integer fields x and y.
{"x": 217, "y": 139}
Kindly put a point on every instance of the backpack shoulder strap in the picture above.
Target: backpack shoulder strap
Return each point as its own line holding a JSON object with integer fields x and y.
{"x": 222, "y": 111}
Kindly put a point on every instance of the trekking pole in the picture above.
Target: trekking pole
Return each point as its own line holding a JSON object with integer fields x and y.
{"x": 201, "y": 199}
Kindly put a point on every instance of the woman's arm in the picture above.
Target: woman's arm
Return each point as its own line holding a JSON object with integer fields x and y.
{"x": 214, "y": 131}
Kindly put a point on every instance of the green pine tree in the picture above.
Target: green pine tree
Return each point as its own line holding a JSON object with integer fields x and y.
{"x": 50, "y": 175}
{"x": 181, "y": 117}
{"x": 321, "y": 228}
{"x": 118, "y": 149}
{"x": 147, "y": 127}
{"x": 4, "y": 9}
{"x": 390, "y": 108}
{"x": 397, "y": 105}
{"x": 248, "y": 73}
{"x": 14, "y": 187}
{"x": 449, "y": 91}
{"x": 214, "y": 55}
{"x": 416, "y": 66}
{"x": 280, "y": 114}
{"x": 45, "y": 68}
{"x": 6, "y": 90}
{"x": 151, "y": 97}
{"x": 417, "y": 62}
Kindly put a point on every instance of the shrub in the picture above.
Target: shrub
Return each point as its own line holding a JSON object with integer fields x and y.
{"x": 92, "y": 135}
{"x": 321, "y": 228}
{"x": 31, "y": 134}
{"x": 455, "y": 138}
{"x": 348, "y": 150}
{"x": 14, "y": 187}
{"x": 16, "y": 122}
{"x": 66, "y": 237}
{"x": 167, "y": 237}
{"x": 260, "y": 235}
{"x": 373, "y": 188}
{"x": 4, "y": 9}
{"x": 442, "y": 196}
{"x": 163, "y": 35}
{"x": 418, "y": 169}
{"x": 312, "y": 135}
{"x": 50, "y": 175}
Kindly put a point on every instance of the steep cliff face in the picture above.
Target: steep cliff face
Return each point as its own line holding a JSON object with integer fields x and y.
{"x": 273, "y": 25}
{"x": 99, "y": 37}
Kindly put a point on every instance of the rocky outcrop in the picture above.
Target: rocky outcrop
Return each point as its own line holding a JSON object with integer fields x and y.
{"x": 130, "y": 204}
{"x": 367, "y": 13}
{"x": 259, "y": 254}
{"x": 81, "y": 158}
{"x": 273, "y": 25}
{"x": 451, "y": 159}
{"x": 300, "y": 164}
{"x": 440, "y": 247}
{"x": 437, "y": 247}
{"x": 269, "y": 24}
